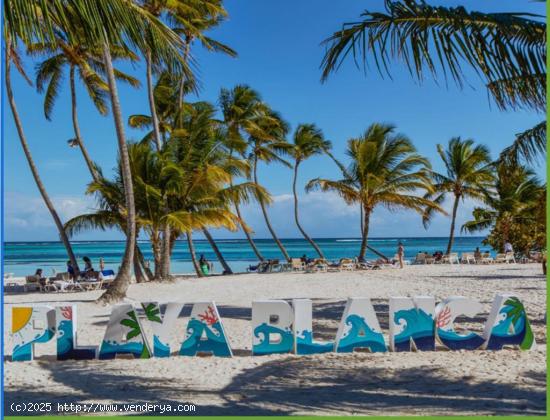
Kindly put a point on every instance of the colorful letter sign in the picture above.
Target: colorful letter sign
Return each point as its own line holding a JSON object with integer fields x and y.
{"x": 303, "y": 329}
{"x": 412, "y": 323}
{"x": 67, "y": 348}
{"x": 205, "y": 333}
{"x": 272, "y": 327}
{"x": 445, "y": 314}
{"x": 278, "y": 327}
{"x": 359, "y": 328}
{"x": 30, "y": 325}
{"x": 124, "y": 335}
{"x": 508, "y": 325}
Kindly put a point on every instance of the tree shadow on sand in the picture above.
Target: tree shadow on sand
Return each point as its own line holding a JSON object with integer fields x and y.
{"x": 298, "y": 385}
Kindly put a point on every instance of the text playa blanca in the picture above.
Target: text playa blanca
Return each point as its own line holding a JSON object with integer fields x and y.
{"x": 278, "y": 326}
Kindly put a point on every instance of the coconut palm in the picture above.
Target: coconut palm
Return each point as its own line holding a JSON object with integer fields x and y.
{"x": 268, "y": 145}
{"x": 507, "y": 50}
{"x": 11, "y": 57}
{"x": 102, "y": 24}
{"x": 385, "y": 171}
{"x": 308, "y": 142}
{"x": 87, "y": 64}
{"x": 202, "y": 170}
{"x": 469, "y": 173}
{"x": 512, "y": 202}
{"x": 241, "y": 106}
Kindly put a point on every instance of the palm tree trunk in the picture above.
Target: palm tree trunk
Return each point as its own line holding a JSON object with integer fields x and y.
{"x": 365, "y": 238}
{"x": 118, "y": 288}
{"x": 266, "y": 217}
{"x": 166, "y": 253}
{"x": 219, "y": 255}
{"x": 361, "y": 218}
{"x": 142, "y": 262}
{"x": 248, "y": 236}
{"x": 157, "y": 254}
{"x": 296, "y": 218}
{"x": 151, "y": 96}
{"x": 140, "y": 277}
{"x": 193, "y": 254}
{"x": 453, "y": 220}
{"x": 19, "y": 125}
{"x": 76, "y": 128}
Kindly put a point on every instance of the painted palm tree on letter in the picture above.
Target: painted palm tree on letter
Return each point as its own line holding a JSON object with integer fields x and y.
{"x": 308, "y": 141}
{"x": 469, "y": 173}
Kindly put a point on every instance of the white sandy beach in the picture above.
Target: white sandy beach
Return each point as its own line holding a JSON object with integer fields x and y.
{"x": 441, "y": 382}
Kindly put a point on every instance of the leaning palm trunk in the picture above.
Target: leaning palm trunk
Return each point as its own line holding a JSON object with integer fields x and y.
{"x": 151, "y": 96}
{"x": 140, "y": 277}
{"x": 76, "y": 128}
{"x": 166, "y": 253}
{"x": 118, "y": 289}
{"x": 32, "y": 166}
{"x": 219, "y": 255}
{"x": 193, "y": 254}
{"x": 248, "y": 236}
{"x": 453, "y": 220}
{"x": 365, "y": 236}
{"x": 267, "y": 222}
{"x": 296, "y": 218}
{"x": 141, "y": 259}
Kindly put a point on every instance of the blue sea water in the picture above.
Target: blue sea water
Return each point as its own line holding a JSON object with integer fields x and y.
{"x": 23, "y": 258}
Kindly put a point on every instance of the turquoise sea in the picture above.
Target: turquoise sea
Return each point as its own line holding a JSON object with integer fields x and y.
{"x": 23, "y": 258}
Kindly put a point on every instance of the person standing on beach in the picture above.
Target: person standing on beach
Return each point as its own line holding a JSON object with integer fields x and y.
{"x": 101, "y": 264}
{"x": 400, "y": 254}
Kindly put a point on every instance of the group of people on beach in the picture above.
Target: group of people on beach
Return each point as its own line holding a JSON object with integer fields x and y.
{"x": 88, "y": 273}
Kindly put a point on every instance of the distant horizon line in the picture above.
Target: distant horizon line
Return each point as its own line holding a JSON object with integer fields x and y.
{"x": 259, "y": 239}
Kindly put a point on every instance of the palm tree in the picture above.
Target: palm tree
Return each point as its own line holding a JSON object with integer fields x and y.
{"x": 87, "y": 64}
{"x": 386, "y": 171}
{"x": 201, "y": 175}
{"x": 507, "y": 50}
{"x": 512, "y": 202}
{"x": 308, "y": 141}
{"x": 102, "y": 24}
{"x": 241, "y": 107}
{"x": 469, "y": 172}
{"x": 268, "y": 145}
{"x": 11, "y": 56}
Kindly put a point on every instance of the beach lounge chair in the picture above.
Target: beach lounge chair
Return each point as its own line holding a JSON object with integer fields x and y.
{"x": 296, "y": 264}
{"x": 486, "y": 258}
{"x": 500, "y": 258}
{"x": 467, "y": 258}
{"x": 451, "y": 258}
{"x": 510, "y": 258}
{"x": 420, "y": 258}
{"x": 32, "y": 283}
{"x": 319, "y": 265}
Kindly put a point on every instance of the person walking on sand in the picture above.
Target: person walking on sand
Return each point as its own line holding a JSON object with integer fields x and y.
{"x": 101, "y": 264}
{"x": 400, "y": 254}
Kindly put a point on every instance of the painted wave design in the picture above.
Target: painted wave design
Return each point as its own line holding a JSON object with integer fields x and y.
{"x": 454, "y": 341}
{"x": 263, "y": 331}
{"x": 160, "y": 349}
{"x": 109, "y": 350}
{"x": 306, "y": 345}
{"x": 216, "y": 342}
{"x": 419, "y": 327}
{"x": 361, "y": 335}
{"x": 23, "y": 352}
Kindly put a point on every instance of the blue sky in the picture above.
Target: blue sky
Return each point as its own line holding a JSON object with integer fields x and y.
{"x": 279, "y": 49}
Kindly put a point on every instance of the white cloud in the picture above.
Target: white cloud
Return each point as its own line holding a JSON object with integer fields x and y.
{"x": 27, "y": 217}
{"x": 321, "y": 214}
